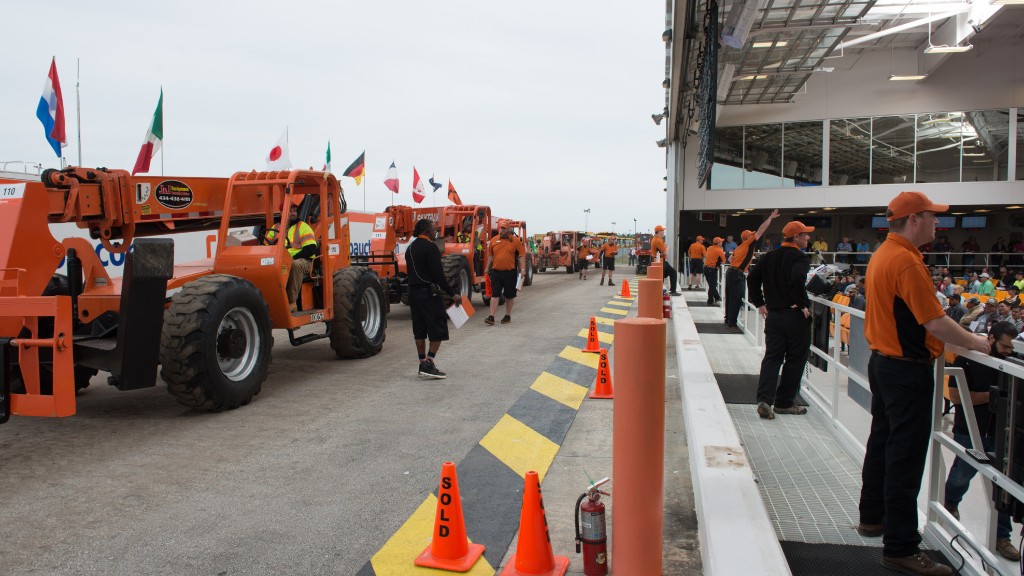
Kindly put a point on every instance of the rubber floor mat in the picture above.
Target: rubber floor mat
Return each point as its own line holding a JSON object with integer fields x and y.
{"x": 839, "y": 559}
{"x": 742, "y": 389}
{"x": 714, "y": 328}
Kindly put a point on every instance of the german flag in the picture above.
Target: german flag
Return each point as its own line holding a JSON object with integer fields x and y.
{"x": 356, "y": 169}
{"x": 453, "y": 196}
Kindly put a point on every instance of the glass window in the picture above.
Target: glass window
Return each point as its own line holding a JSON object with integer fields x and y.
{"x": 849, "y": 151}
{"x": 802, "y": 154}
{"x": 892, "y": 149}
{"x": 985, "y": 135}
{"x": 1020, "y": 145}
{"x": 727, "y": 171}
{"x": 939, "y": 143}
{"x": 762, "y": 154}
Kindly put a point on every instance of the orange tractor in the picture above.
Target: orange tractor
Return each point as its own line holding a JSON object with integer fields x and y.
{"x": 558, "y": 249}
{"x": 206, "y": 323}
{"x": 643, "y": 252}
{"x": 463, "y": 234}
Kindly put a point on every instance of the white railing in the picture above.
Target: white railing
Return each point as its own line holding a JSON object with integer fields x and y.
{"x": 849, "y": 422}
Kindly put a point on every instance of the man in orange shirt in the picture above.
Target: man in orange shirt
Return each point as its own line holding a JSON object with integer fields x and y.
{"x": 658, "y": 248}
{"x": 608, "y": 252}
{"x": 505, "y": 260}
{"x": 581, "y": 257}
{"x": 712, "y": 260}
{"x": 905, "y": 327}
{"x": 696, "y": 253}
{"x": 735, "y": 274}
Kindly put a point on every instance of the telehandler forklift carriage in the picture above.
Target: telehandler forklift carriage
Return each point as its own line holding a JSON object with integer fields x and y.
{"x": 207, "y": 323}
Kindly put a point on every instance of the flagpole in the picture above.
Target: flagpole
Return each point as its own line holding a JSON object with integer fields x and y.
{"x": 78, "y": 106}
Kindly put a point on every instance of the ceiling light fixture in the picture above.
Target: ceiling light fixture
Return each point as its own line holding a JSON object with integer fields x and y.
{"x": 751, "y": 77}
{"x": 974, "y": 154}
{"x": 943, "y": 49}
{"x": 828, "y": 209}
{"x": 1014, "y": 207}
{"x": 983, "y": 210}
{"x": 779, "y": 44}
{"x": 958, "y": 213}
{"x": 908, "y": 77}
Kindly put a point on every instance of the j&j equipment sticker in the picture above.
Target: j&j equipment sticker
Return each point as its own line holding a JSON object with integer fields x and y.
{"x": 173, "y": 194}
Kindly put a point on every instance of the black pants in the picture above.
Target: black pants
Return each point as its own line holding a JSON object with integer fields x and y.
{"x": 667, "y": 271}
{"x": 734, "y": 281}
{"x": 901, "y": 402}
{"x": 711, "y": 275}
{"x": 787, "y": 337}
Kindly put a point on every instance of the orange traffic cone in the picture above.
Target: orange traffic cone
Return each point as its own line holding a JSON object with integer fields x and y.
{"x": 592, "y": 343}
{"x": 603, "y": 382}
{"x": 449, "y": 548}
{"x": 533, "y": 555}
{"x": 624, "y": 293}
{"x": 487, "y": 285}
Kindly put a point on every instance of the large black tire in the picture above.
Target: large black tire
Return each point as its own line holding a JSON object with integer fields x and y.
{"x": 360, "y": 316}
{"x": 456, "y": 270}
{"x": 528, "y": 280}
{"x": 216, "y": 342}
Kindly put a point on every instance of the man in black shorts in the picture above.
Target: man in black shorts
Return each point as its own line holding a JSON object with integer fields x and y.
{"x": 608, "y": 252}
{"x": 426, "y": 283}
{"x": 505, "y": 259}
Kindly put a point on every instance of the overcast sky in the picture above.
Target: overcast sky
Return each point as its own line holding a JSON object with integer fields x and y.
{"x": 538, "y": 109}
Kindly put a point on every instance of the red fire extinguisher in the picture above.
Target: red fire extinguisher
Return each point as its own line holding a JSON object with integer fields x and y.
{"x": 593, "y": 537}
{"x": 666, "y": 305}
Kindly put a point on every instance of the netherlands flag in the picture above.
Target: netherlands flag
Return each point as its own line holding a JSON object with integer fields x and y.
{"x": 50, "y": 111}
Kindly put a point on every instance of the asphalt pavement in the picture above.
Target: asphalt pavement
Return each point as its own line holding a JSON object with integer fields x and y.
{"x": 321, "y": 470}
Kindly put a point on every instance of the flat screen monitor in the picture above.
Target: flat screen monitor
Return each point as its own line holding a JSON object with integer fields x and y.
{"x": 945, "y": 222}
{"x": 973, "y": 222}
{"x": 879, "y": 223}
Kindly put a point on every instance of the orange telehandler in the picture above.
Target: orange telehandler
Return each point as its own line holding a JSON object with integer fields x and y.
{"x": 463, "y": 232}
{"x": 207, "y": 323}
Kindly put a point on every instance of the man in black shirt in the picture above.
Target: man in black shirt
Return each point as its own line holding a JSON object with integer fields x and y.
{"x": 979, "y": 379}
{"x": 426, "y": 286}
{"x": 782, "y": 274}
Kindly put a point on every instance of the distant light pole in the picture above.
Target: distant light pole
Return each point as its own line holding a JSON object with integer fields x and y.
{"x": 634, "y": 227}
{"x": 586, "y": 216}
{"x": 613, "y": 227}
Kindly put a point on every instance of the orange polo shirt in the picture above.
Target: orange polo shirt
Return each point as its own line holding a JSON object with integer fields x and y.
{"x": 609, "y": 250}
{"x": 697, "y": 250}
{"x": 715, "y": 256}
{"x": 743, "y": 254}
{"x": 503, "y": 252}
{"x": 658, "y": 246}
{"x": 900, "y": 299}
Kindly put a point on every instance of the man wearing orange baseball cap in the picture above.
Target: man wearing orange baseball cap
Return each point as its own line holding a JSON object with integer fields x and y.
{"x": 659, "y": 249}
{"x": 697, "y": 251}
{"x": 735, "y": 275}
{"x": 714, "y": 258}
{"x": 905, "y": 327}
{"x": 786, "y": 309}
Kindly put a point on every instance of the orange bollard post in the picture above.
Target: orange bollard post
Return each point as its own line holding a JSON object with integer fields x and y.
{"x": 638, "y": 446}
{"x": 603, "y": 381}
{"x": 656, "y": 271}
{"x": 533, "y": 555}
{"x": 592, "y": 343}
{"x": 624, "y": 293}
{"x": 449, "y": 548}
{"x": 649, "y": 292}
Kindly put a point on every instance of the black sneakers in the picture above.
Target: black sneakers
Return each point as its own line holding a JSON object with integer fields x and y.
{"x": 506, "y": 319}
{"x": 428, "y": 370}
{"x": 610, "y": 283}
{"x": 489, "y": 320}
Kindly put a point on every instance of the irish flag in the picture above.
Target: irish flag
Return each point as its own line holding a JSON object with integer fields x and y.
{"x": 154, "y": 139}
{"x": 417, "y": 186}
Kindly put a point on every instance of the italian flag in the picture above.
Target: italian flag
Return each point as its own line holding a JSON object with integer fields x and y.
{"x": 154, "y": 139}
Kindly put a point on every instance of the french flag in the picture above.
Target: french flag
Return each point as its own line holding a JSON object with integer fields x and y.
{"x": 50, "y": 111}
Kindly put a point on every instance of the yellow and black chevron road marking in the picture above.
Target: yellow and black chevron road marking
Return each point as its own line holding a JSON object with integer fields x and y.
{"x": 491, "y": 476}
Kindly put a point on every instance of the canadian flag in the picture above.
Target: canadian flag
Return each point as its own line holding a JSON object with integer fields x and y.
{"x": 278, "y": 158}
{"x": 417, "y": 186}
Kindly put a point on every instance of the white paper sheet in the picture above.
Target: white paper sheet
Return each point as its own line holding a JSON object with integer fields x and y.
{"x": 458, "y": 315}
